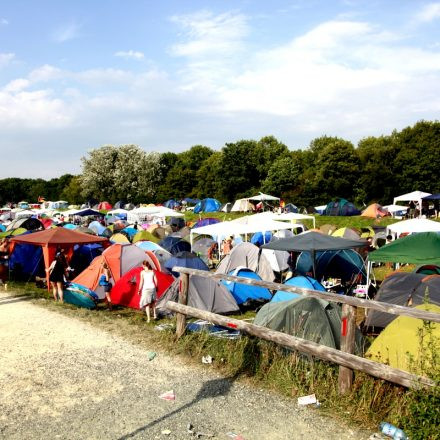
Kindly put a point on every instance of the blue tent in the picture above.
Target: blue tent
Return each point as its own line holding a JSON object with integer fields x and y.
{"x": 96, "y": 227}
{"x": 205, "y": 222}
{"x": 175, "y": 245}
{"x": 131, "y": 232}
{"x": 290, "y": 207}
{"x": 2, "y": 228}
{"x": 207, "y": 205}
{"x": 259, "y": 240}
{"x": 344, "y": 264}
{"x": 171, "y": 204}
{"x": 147, "y": 245}
{"x": 69, "y": 226}
{"x": 185, "y": 259}
{"x": 245, "y": 294}
{"x": 299, "y": 281}
{"x": 27, "y": 259}
{"x": 341, "y": 207}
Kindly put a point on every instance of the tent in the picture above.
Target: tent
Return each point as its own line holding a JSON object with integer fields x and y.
{"x": 259, "y": 238}
{"x": 125, "y": 291}
{"x": 226, "y": 207}
{"x": 264, "y": 198}
{"x": 185, "y": 259}
{"x": 414, "y": 225}
{"x": 176, "y": 222}
{"x": 401, "y": 345}
{"x": 120, "y": 238}
{"x": 278, "y": 260}
{"x": 207, "y": 205}
{"x": 145, "y": 236}
{"x": 242, "y": 205}
{"x": 345, "y": 264}
{"x": 314, "y": 242}
{"x": 396, "y": 210}
{"x": 28, "y": 223}
{"x": 290, "y": 207}
{"x": 404, "y": 288}
{"x": 298, "y": 281}
{"x": 204, "y": 294}
{"x": 175, "y": 245}
{"x": 26, "y": 260}
{"x": 249, "y": 256}
{"x": 307, "y": 318}
{"x": 374, "y": 211}
{"x": 349, "y": 233}
{"x": 340, "y": 207}
{"x": 105, "y": 206}
{"x": 423, "y": 248}
{"x": 51, "y": 239}
{"x": 415, "y": 196}
{"x": 171, "y": 204}
{"x": 119, "y": 258}
{"x": 246, "y": 294}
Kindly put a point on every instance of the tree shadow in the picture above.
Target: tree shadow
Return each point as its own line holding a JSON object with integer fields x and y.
{"x": 13, "y": 299}
{"x": 210, "y": 389}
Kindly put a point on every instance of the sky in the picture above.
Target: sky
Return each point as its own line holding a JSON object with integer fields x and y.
{"x": 166, "y": 75}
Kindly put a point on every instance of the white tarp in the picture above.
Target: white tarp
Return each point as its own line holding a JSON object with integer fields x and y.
{"x": 413, "y": 225}
{"x": 263, "y": 197}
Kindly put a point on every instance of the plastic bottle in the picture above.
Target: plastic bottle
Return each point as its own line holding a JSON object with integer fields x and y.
{"x": 392, "y": 431}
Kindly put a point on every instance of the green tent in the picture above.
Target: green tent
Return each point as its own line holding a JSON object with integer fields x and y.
{"x": 307, "y": 318}
{"x": 145, "y": 236}
{"x": 421, "y": 248}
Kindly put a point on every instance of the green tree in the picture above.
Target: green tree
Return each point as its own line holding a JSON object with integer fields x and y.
{"x": 208, "y": 177}
{"x": 73, "y": 191}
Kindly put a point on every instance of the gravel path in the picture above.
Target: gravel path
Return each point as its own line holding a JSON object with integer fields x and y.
{"x": 64, "y": 379}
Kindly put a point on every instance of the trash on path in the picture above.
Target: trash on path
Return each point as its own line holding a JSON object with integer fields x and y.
{"x": 151, "y": 355}
{"x": 190, "y": 428}
{"x": 169, "y": 395}
{"x": 202, "y": 434}
{"x": 162, "y": 327}
{"x": 207, "y": 359}
{"x": 392, "y": 431}
{"x": 166, "y": 432}
{"x": 307, "y": 400}
{"x": 235, "y": 436}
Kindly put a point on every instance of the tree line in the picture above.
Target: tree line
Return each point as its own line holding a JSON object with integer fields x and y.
{"x": 377, "y": 169}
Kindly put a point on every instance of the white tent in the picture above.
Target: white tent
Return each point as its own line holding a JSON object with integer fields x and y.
{"x": 263, "y": 197}
{"x": 118, "y": 211}
{"x": 242, "y": 205}
{"x": 395, "y": 209}
{"x": 413, "y": 226}
{"x": 149, "y": 213}
{"x": 415, "y": 196}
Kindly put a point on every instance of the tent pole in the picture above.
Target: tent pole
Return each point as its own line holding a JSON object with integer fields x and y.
{"x": 314, "y": 263}
{"x": 368, "y": 272}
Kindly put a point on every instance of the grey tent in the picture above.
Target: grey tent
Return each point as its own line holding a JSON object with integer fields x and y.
{"x": 307, "y": 318}
{"x": 247, "y": 255}
{"x": 399, "y": 288}
{"x": 313, "y": 242}
{"x": 204, "y": 294}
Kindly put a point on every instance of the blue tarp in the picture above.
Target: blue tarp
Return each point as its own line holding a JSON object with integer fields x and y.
{"x": 299, "y": 281}
{"x": 245, "y": 294}
{"x": 207, "y": 205}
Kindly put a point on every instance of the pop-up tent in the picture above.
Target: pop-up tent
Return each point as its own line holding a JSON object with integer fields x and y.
{"x": 341, "y": 207}
{"x": 307, "y": 318}
{"x": 207, "y": 205}
{"x": 204, "y": 294}
{"x": 298, "y": 281}
{"x": 412, "y": 226}
{"x": 374, "y": 211}
{"x": 51, "y": 239}
{"x": 415, "y": 196}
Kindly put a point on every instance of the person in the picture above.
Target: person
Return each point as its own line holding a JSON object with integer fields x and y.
{"x": 104, "y": 281}
{"x": 147, "y": 290}
{"x": 57, "y": 271}
{"x": 227, "y": 246}
{"x": 4, "y": 257}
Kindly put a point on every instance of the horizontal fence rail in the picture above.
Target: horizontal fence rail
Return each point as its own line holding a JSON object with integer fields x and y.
{"x": 332, "y": 297}
{"x": 304, "y": 346}
{"x": 344, "y": 357}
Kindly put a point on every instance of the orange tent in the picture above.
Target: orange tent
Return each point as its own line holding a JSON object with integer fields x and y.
{"x": 51, "y": 239}
{"x": 120, "y": 258}
{"x": 374, "y": 211}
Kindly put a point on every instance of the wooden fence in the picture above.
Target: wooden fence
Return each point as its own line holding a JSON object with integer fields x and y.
{"x": 344, "y": 357}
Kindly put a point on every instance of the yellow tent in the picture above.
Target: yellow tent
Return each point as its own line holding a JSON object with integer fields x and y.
{"x": 404, "y": 344}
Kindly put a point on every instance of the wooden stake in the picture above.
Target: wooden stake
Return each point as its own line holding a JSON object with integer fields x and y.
{"x": 348, "y": 332}
{"x": 183, "y": 299}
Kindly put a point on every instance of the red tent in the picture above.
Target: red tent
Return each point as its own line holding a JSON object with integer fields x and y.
{"x": 105, "y": 205}
{"x": 51, "y": 239}
{"x": 125, "y": 291}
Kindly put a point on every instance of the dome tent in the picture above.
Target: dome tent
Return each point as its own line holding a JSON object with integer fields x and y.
{"x": 207, "y": 205}
{"x": 298, "y": 281}
{"x": 340, "y": 207}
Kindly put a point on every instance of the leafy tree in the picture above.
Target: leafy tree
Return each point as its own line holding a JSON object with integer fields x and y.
{"x": 208, "y": 177}
{"x": 267, "y": 150}
{"x": 73, "y": 191}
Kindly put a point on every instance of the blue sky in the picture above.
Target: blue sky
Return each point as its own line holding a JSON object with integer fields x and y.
{"x": 166, "y": 75}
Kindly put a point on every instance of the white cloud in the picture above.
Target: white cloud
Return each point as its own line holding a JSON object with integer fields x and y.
{"x": 6, "y": 58}
{"x": 429, "y": 12}
{"x": 4, "y": 22}
{"x": 45, "y": 73}
{"x": 130, "y": 54}
{"x": 16, "y": 85}
{"x": 205, "y": 33}
{"x": 66, "y": 32}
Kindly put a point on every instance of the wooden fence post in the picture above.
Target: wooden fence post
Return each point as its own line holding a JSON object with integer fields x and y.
{"x": 183, "y": 299}
{"x": 348, "y": 332}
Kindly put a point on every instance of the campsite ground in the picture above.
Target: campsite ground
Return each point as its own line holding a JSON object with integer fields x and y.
{"x": 62, "y": 377}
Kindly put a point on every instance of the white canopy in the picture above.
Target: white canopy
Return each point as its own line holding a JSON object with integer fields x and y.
{"x": 117, "y": 211}
{"x": 263, "y": 197}
{"x": 395, "y": 208}
{"x": 415, "y": 196}
{"x": 413, "y": 226}
{"x": 24, "y": 213}
{"x": 292, "y": 217}
{"x": 148, "y": 213}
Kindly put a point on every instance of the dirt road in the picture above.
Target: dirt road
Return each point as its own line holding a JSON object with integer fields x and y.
{"x": 63, "y": 379}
